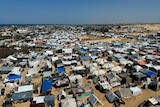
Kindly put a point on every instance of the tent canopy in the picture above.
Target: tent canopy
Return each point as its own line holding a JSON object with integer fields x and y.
{"x": 94, "y": 100}
{"x": 69, "y": 102}
{"x": 150, "y": 73}
{"x": 13, "y": 77}
{"x": 22, "y": 95}
{"x": 46, "y": 85}
{"x": 111, "y": 97}
{"x": 49, "y": 100}
{"x": 60, "y": 70}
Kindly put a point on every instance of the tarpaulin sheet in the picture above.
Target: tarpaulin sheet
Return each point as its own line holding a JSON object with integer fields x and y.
{"x": 59, "y": 70}
{"x": 46, "y": 85}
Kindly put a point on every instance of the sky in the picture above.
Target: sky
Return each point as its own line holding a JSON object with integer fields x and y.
{"x": 79, "y": 11}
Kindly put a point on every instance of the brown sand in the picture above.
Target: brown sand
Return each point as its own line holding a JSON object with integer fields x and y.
{"x": 92, "y": 38}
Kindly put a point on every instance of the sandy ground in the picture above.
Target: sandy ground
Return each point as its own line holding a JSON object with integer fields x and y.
{"x": 92, "y": 38}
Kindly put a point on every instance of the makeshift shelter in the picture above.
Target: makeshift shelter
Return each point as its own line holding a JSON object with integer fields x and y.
{"x": 24, "y": 88}
{"x": 74, "y": 78}
{"x": 5, "y": 70}
{"x": 12, "y": 77}
{"x": 124, "y": 93}
{"x": 58, "y": 63}
{"x": 111, "y": 97}
{"x": 60, "y": 70}
{"x": 49, "y": 100}
{"x": 104, "y": 85}
{"x": 37, "y": 101}
{"x": 62, "y": 95}
{"x": 138, "y": 76}
{"x": 98, "y": 72}
{"x": 68, "y": 102}
{"x": 150, "y": 73}
{"x": 135, "y": 91}
{"x": 46, "y": 85}
{"x": 154, "y": 85}
{"x": 116, "y": 69}
{"x": 138, "y": 68}
{"x": 108, "y": 66}
{"x": 94, "y": 101}
{"x": 47, "y": 74}
{"x": 141, "y": 63}
{"x": 12, "y": 58}
{"x": 49, "y": 53}
{"x": 27, "y": 95}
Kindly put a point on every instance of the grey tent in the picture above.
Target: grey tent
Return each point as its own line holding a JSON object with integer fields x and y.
{"x": 94, "y": 101}
{"x": 49, "y": 100}
{"x": 111, "y": 97}
{"x": 124, "y": 93}
{"x": 22, "y": 96}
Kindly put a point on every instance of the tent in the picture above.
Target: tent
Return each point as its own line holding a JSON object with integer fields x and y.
{"x": 124, "y": 93}
{"x": 46, "y": 85}
{"x": 150, "y": 73}
{"x": 49, "y": 53}
{"x": 111, "y": 97}
{"x": 12, "y": 58}
{"x": 138, "y": 76}
{"x": 73, "y": 78}
{"x": 135, "y": 91}
{"x": 116, "y": 69}
{"x": 49, "y": 100}
{"x": 69, "y": 102}
{"x": 16, "y": 70}
{"x": 12, "y": 77}
{"x": 108, "y": 66}
{"x": 5, "y": 70}
{"x": 98, "y": 72}
{"x": 60, "y": 70}
{"x": 141, "y": 62}
{"x": 138, "y": 68}
{"x": 62, "y": 95}
{"x": 94, "y": 101}
{"x": 24, "y": 88}
{"x": 47, "y": 74}
{"x": 22, "y": 96}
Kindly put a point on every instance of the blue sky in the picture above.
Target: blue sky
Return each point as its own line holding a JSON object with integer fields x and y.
{"x": 79, "y": 11}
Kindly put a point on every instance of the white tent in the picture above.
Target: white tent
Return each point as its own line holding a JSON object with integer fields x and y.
{"x": 54, "y": 59}
{"x": 116, "y": 69}
{"x": 98, "y": 72}
{"x": 12, "y": 58}
{"x": 24, "y": 88}
{"x": 69, "y": 102}
{"x": 108, "y": 66}
{"x": 49, "y": 53}
{"x": 73, "y": 78}
{"x": 77, "y": 68}
{"x": 67, "y": 50}
{"x": 16, "y": 70}
{"x": 138, "y": 68}
{"x": 135, "y": 91}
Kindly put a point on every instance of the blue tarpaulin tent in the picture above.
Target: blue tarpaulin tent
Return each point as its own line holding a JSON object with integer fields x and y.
{"x": 46, "y": 85}
{"x": 14, "y": 77}
{"x": 150, "y": 73}
{"x": 60, "y": 70}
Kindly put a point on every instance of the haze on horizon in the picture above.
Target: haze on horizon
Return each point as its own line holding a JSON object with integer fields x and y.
{"x": 79, "y": 11}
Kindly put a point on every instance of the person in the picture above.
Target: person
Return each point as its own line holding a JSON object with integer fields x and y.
{"x": 2, "y": 91}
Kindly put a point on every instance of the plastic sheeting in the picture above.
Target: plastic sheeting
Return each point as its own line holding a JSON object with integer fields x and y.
{"x": 46, "y": 85}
